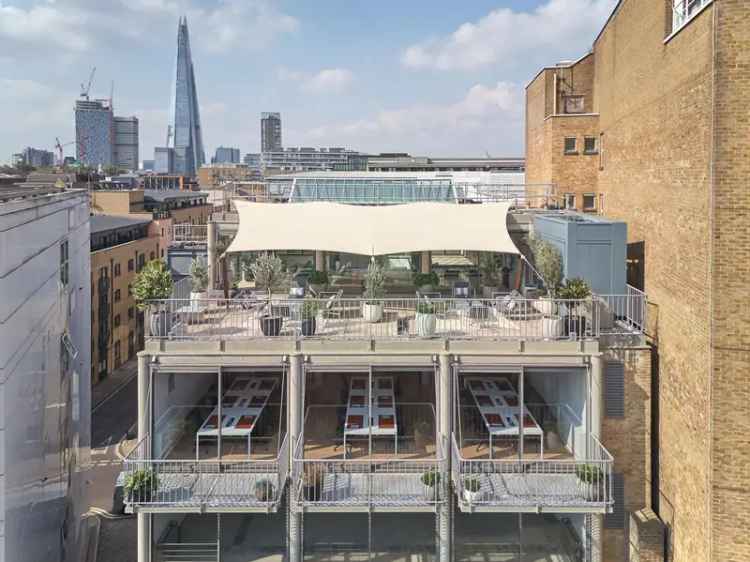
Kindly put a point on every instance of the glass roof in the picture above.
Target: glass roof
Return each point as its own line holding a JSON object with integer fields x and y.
{"x": 372, "y": 191}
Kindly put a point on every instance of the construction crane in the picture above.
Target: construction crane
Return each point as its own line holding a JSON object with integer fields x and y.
{"x": 85, "y": 89}
{"x": 59, "y": 147}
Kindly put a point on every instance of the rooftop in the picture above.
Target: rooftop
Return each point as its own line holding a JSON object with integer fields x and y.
{"x": 103, "y": 223}
{"x": 171, "y": 194}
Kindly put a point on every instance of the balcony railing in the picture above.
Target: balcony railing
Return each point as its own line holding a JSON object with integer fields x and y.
{"x": 398, "y": 318}
{"x": 580, "y": 484}
{"x": 185, "y": 233}
{"x": 368, "y": 483}
{"x": 204, "y": 485}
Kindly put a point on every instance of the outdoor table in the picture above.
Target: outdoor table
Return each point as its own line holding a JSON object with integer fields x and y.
{"x": 497, "y": 402}
{"x": 241, "y": 407}
{"x": 378, "y": 418}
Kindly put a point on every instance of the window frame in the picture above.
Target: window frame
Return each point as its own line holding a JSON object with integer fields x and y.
{"x": 569, "y": 198}
{"x": 684, "y": 11}
{"x": 574, "y": 150}
{"x": 594, "y": 150}
{"x": 583, "y": 201}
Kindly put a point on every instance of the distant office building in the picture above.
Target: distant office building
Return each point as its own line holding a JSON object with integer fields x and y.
{"x": 184, "y": 132}
{"x": 147, "y": 165}
{"x": 252, "y": 160}
{"x": 213, "y": 176}
{"x": 402, "y": 162}
{"x": 163, "y": 160}
{"x": 94, "y": 132}
{"x": 35, "y": 157}
{"x": 270, "y": 132}
{"x": 226, "y": 155}
{"x": 307, "y": 159}
{"x": 126, "y": 143}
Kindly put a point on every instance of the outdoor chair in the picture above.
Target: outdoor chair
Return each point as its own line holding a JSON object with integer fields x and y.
{"x": 332, "y": 308}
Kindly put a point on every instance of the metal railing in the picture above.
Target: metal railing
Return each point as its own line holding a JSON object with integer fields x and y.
{"x": 189, "y": 233}
{"x": 368, "y": 482}
{"x": 399, "y": 318}
{"x": 203, "y": 484}
{"x": 582, "y": 483}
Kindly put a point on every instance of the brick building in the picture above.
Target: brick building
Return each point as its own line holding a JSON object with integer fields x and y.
{"x": 663, "y": 93}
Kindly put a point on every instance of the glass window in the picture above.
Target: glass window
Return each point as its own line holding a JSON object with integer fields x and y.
{"x": 589, "y": 201}
{"x": 570, "y": 201}
{"x": 589, "y": 145}
{"x": 131, "y": 265}
{"x": 117, "y": 320}
{"x": 131, "y": 313}
{"x": 573, "y": 104}
{"x": 570, "y": 145}
{"x": 117, "y": 270}
{"x": 118, "y": 296}
{"x": 683, "y": 10}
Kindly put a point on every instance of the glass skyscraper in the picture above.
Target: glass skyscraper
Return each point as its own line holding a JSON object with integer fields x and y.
{"x": 184, "y": 133}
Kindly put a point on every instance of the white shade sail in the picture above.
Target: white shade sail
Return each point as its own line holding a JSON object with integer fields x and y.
{"x": 372, "y": 230}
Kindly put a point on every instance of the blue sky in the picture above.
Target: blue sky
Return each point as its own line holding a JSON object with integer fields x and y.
{"x": 428, "y": 77}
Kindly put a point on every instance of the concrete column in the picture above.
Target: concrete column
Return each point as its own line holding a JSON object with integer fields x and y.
{"x": 425, "y": 262}
{"x": 320, "y": 261}
{"x": 212, "y": 257}
{"x": 144, "y": 376}
{"x": 444, "y": 407}
{"x": 144, "y": 537}
{"x": 444, "y": 538}
{"x": 295, "y": 400}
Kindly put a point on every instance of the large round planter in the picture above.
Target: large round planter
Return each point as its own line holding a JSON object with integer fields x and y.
{"x": 271, "y": 325}
{"x": 308, "y": 327}
{"x": 372, "y": 312}
{"x": 552, "y": 327}
{"x": 160, "y": 323}
{"x": 426, "y": 324}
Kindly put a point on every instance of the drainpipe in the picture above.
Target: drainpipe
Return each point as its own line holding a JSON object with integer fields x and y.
{"x": 144, "y": 524}
{"x": 443, "y": 512}
{"x": 295, "y": 386}
{"x": 211, "y": 235}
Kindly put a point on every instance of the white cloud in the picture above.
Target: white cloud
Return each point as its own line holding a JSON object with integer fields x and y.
{"x": 486, "y": 118}
{"x": 504, "y": 36}
{"x": 325, "y": 81}
{"x": 75, "y": 26}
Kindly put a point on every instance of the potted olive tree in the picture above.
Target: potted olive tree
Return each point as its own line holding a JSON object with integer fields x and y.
{"x": 426, "y": 282}
{"x": 548, "y": 261}
{"x": 372, "y": 306}
{"x": 268, "y": 271}
{"x": 199, "y": 275}
{"x": 577, "y": 294}
{"x": 426, "y": 319}
{"x": 154, "y": 283}
{"x": 308, "y": 313}
{"x": 489, "y": 268}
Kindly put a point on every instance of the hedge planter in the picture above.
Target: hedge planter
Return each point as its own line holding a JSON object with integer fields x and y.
{"x": 140, "y": 485}
{"x": 431, "y": 485}
{"x": 472, "y": 490}
{"x": 426, "y": 324}
{"x": 372, "y": 312}
{"x": 308, "y": 327}
{"x": 591, "y": 480}
{"x": 271, "y": 325}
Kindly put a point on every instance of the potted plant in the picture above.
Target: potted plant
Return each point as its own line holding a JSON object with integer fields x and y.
{"x": 592, "y": 480}
{"x": 548, "y": 261}
{"x": 154, "y": 283}
{"x": 264, "y": 491}
{"x": 308, "y": 313}
{"x": 372, "y": 307}
{"x": 489, "y": 269}
{"x": 426, "y": 282}
{"x": 426, "y": 319}
{"x": 140, "y": 485}
{"x": 312, "y": 482}
{"x": 199, "y": 275}
{"x": 318, "y": 280}
{"x": 577, "y": 293}
{"x": 268, "y": 271}
{"x": 472, "y": 490}
{"x": 431, "y": 482}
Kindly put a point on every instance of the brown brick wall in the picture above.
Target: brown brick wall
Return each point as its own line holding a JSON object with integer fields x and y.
{"x": 730, "y": 405}
{"x": 537, "y": 158}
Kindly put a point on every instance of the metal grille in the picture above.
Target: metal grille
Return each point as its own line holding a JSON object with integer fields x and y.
{"x": 614, "y": 389}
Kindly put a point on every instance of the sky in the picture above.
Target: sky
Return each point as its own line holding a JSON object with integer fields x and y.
{"x": 428, "y": 77}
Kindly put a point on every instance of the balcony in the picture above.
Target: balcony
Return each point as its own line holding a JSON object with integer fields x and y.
{"x": 523, "y": 474}
{"x": 200, "y": 486}
{"x": 337, "y": 317}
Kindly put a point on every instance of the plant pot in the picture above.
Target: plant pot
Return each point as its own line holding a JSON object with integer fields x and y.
{"x": 160, "y": 323}
{"x": 271, "y": 325}
{"x": 372, "y": 312}
{"x": 308, "y": 327}
{"x": 592, "y": 491}
{"x": 574, "y": 324}
{"x": 431, "y": 493}
{"x": 545, "y": 305}
{"x": 426, "y": 324}
{"x": 264, "y": 491}
{"x": 552, "y": 327}
{"x": 402, "y": 326}
{"x": 472, "y": 497}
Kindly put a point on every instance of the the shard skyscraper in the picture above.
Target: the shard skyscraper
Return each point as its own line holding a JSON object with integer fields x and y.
{"x": 184, "y": 134}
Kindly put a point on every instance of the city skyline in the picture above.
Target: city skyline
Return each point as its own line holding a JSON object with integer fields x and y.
{"x": 326, "y": 75}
